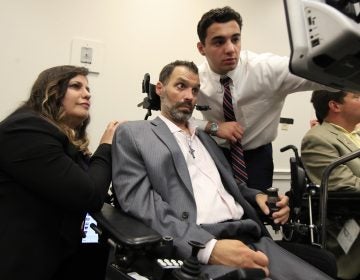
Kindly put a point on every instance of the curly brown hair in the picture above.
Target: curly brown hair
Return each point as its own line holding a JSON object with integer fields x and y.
{"x": 46, "y": 98}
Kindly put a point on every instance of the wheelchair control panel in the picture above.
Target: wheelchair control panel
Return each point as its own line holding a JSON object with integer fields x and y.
{"x": 169, "y": 264}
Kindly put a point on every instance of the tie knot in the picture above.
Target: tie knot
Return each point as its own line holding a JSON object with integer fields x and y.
{"x": 225, "y": 80}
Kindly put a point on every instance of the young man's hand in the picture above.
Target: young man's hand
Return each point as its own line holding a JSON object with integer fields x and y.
{"x": 231, "y": 131}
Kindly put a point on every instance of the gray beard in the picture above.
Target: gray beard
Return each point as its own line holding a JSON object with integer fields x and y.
{"x": 179, "y": 116}
{"x": 174, "y": 113}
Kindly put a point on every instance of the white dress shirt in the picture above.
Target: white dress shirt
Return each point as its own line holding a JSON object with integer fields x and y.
{"x": 259, "y": 86}
{"x": 213, "y": 203}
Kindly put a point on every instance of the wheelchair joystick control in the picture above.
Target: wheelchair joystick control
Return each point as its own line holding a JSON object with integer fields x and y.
{"x": 190, "y": 270}
{"x": 273, "y": 197}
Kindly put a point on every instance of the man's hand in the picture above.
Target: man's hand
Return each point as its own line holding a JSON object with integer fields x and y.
{"x": 281, "y": 216}
{"x": 235, "y": 253}
{"x": 231, "y": 131}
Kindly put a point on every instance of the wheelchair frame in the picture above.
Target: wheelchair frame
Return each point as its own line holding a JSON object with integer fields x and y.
{"x": 302, "y": 189}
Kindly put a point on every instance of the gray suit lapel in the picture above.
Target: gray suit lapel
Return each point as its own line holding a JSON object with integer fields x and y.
{"x": 164, "y": 134}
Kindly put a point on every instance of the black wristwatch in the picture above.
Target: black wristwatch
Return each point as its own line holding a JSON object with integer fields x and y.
{"x": 214, "y": 127}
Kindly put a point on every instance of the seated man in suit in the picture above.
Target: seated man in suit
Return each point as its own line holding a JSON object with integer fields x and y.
{"x": 336, "y": 135}
{"x": 177, "y": 181}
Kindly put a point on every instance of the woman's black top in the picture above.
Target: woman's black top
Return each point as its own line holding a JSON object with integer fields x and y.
{"x": 45, "y": 191}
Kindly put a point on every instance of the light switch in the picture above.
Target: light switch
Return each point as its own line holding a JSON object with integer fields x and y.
{"x": 87, "y": 53}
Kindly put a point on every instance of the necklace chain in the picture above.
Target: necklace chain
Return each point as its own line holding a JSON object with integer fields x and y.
{"x": 191, "y": 150}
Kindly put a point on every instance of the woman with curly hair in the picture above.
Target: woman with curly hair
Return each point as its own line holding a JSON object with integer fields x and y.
{"x": 49, "y": 179}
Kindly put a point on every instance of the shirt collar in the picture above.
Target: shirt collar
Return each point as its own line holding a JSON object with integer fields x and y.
{"x": 174, "y": 128}
{"x": 340, "y": 128}
{"x": 233, "y": 74}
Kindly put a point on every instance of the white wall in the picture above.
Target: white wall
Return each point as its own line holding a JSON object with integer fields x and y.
{"x": 139, "y": 36}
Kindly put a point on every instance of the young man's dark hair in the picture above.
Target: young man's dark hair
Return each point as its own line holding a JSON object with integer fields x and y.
{"x": 220, "y": 15}
{"x": 320, "y": 100}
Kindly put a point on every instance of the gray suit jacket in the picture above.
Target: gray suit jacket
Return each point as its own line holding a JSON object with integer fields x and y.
{"x": 321, "y": 146}
{"x": 152, "y": 182}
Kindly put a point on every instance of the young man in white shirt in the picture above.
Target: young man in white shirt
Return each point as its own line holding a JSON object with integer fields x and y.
{"x": 259, "y": 84}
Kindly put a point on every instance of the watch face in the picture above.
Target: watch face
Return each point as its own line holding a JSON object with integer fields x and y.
{"x": 213, "y": 128}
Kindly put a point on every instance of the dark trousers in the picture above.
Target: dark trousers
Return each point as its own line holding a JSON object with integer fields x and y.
{"x": 88, "y": 263}
{"x": 259, "y": 166}
{"x": 283, "y": 265}
{"x": 320, "y": 258}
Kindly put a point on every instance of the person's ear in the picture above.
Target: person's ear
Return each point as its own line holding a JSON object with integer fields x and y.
{"x": 159, "y": 88}
{"x": 334, "y": 106}
{"x": 200, "y": 48}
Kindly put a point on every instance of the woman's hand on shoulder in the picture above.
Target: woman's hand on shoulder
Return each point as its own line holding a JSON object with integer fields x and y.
{"x": 109, "y": 132}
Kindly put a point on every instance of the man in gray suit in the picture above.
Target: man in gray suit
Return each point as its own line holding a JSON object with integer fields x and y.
{"x": 338, "y": 114}
{"x": 176, "y": 180}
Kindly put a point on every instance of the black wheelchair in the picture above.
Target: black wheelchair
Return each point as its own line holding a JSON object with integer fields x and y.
{"x": 311, "y": 205}
{"x": 138, "y": 252}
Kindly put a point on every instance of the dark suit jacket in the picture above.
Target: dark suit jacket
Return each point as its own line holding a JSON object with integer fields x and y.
{"x": 44, "y": 194}
{"x": 152, "y": 183}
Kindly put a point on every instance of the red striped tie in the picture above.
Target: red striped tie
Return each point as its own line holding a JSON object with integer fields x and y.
{"x": 236, "y": 150}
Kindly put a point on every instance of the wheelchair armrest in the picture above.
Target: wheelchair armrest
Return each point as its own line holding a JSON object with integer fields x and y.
{"x": 349, "y": 197}
{"x": 343, "y": 195}
{"x": 344, "y": 203}
{"x": 114, "y": 224}
{"x": 122, "y": 228}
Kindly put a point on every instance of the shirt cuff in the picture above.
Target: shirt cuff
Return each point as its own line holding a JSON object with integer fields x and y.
{"x": 201, "y": 124}
{"x": 204, "y": 254}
